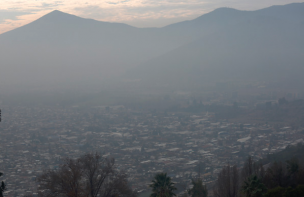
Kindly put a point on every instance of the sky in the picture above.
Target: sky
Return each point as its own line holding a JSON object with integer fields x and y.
{"x": 139, "y": 13}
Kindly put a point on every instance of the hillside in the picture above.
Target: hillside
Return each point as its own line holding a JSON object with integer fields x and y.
{"x": 248, "y": 46}
{"x": 61, "y": 51}
{"x": 262, "y": 48}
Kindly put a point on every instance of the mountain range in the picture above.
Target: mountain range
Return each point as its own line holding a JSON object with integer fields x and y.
{"x": 61, "y": 50}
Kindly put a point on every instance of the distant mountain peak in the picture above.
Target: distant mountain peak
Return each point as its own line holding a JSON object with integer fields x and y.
{"x": 222, "y": 14}
{"x": 57, "y": 15}
{"x": 56, "y": 11}
{"x": 225, "y": 11}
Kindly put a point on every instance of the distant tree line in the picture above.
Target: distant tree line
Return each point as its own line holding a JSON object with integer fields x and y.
{"x": 91, "y": 175}
{"x": 264, "y": 178}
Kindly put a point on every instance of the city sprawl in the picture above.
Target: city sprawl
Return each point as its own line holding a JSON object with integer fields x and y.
{"x": 143, "y": 143}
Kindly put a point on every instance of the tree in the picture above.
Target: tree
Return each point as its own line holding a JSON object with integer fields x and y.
{"x": 251, "y": 168}
{"x": 275, "y": 192}
{"x": 294, "y": 192}
{"x": 88, "y": 176}
{"x": 286, "y": 192}
{"x": 248, "y": 168}
{"x": 253, "y": 187}
{"x": 293, "y": 170}
{"x": 2, "y": 186}
{"x": 293, "y": 166}
{"x": 162, "y": 186}
{"x": 198, "y": 189}
{"x": 276, "y": 175}
{"x": 227, "y": 184}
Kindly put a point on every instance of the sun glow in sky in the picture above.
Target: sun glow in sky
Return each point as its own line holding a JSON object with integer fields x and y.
{"x": 139, "y": 13}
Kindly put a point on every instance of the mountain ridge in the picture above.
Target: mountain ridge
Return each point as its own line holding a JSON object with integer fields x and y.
{"x": 57, "y": 14}
{"x": 258, "y": 49}
{"x": 72, "y": 50}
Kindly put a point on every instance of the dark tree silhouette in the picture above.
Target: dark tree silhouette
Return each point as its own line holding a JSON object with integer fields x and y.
{"x": 253, "y": 187}
{"x": 2, "y": 186}
{"x": 198, "y": 189}
{"x": 227, "y": 184}
{"x": 162, "y": 186}
{"x": 88, "y": 176}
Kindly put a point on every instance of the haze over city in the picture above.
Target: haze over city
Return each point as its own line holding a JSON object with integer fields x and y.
{"x": 139, "y": 98}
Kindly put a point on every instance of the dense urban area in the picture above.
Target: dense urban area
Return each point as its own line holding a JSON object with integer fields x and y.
{"x": 208, "y": 101}
{"x": 184, "y": 144}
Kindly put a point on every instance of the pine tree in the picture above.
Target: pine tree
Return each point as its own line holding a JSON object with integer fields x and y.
{"x": 253, "y": 187}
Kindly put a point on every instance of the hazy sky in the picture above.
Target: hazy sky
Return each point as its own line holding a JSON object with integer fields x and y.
{"x": 139, "y": 13}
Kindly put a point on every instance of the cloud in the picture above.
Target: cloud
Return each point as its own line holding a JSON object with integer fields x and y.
{"x": 16, "y": 13}
{"x": 155, "y": 10}
{"x": 127, "y": 11}
{"x": 11, "y": 14}
{"x": 50, "y": 5}
{"x": 95, "y": 12}
{"x": 145, "y": 12}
